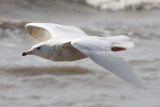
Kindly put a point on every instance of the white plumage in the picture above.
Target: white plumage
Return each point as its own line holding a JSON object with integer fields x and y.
{"x": 68, "y": 43}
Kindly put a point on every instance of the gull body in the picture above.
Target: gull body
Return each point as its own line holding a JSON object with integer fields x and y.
{"x": 68, "y": 43}
{"x": 56, "y": 51}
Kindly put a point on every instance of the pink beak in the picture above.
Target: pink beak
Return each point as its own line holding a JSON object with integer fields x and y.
{"x": 27, "y": 53}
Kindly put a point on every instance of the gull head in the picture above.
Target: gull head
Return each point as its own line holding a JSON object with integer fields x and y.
{"x": 41, "y": 49}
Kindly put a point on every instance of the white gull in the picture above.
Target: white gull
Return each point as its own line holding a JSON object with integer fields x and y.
{"x": 68, "y": 43}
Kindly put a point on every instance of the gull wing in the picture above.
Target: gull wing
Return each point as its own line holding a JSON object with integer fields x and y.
{"x": 41, "y": 32}
{"x": 99, "y": 51}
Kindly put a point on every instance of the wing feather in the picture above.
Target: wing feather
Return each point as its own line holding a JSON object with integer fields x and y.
{"x": 107, "y": 59}
{"x": 41, "y": 32}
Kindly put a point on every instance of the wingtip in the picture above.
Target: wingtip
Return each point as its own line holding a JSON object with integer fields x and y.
{"x": 139, "y": 84}
{"x": 29, "y": 24}
{"x": 142, "y": 87}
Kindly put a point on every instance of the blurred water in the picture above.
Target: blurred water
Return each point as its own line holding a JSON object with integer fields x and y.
{"x": 35, "y": 82}
{"x": 124, "y": 4}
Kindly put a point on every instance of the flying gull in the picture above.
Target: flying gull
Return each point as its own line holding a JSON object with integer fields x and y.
{"x": 67, "y": 43}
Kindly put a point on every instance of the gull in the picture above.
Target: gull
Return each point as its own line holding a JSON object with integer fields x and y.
{"x": 68, "y": 43}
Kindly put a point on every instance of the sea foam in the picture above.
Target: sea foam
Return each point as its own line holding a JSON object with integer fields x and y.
{"x": 124, "y": 4}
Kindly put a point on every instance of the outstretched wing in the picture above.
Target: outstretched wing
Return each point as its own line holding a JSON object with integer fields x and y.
{"x": 99, "y": 51}
{"x": 44, "y": 31}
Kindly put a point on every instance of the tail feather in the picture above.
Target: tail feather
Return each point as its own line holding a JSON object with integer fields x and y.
{"x": 121, "y": 41}
{"x": 124, "y": 45}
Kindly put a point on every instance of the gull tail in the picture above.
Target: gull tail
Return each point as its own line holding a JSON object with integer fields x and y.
{"x": 121, "y": 42}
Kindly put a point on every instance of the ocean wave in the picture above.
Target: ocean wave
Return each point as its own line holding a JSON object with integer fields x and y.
{"x": 12, "y": 32}
{"x": 6, "y": 24}
{"x": 124, "y": 4}
{"x": 51, "y": 70}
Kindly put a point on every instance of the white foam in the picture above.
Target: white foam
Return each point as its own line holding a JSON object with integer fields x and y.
{"x": 123, "y": 4}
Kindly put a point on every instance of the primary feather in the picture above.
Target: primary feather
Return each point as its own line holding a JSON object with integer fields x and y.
{"x": 45, "y": 31}
{"x": 100, "y": 52}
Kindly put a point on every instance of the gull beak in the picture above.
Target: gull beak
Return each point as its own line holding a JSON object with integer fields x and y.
{"x": 27, "y": 53}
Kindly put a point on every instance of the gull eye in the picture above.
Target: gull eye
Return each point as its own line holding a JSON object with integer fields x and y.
{"x": 38, "y": 48}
